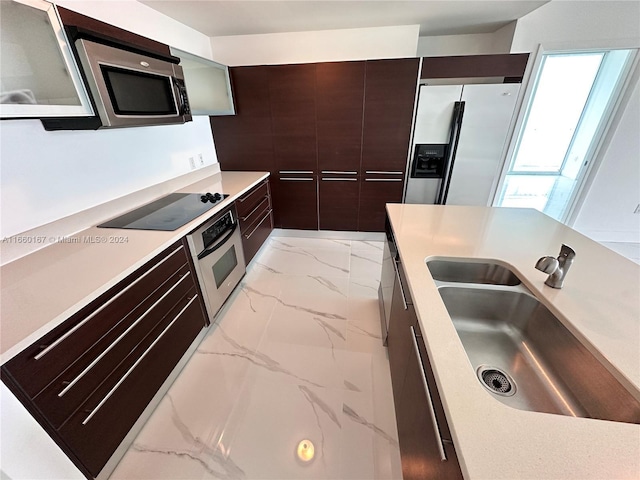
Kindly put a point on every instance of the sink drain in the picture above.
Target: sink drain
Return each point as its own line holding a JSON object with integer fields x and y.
{"x": 496, "y": 381}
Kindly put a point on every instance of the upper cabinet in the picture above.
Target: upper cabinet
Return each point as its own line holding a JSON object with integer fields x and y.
{"x": 38, "y": 74}
{"x": 390, "y": 92}
{"x": 207, "y": 83}
{"x": 498, "y": 68}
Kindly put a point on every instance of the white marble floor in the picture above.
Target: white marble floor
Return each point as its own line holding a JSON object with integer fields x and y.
{"x": 296, "y": 355}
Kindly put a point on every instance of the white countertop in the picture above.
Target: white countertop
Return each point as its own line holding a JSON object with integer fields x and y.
{"x": 43, "y": 289}
{"x": 599, "y": 303}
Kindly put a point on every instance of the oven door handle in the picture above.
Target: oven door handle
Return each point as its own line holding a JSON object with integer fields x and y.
{"x": 209, "y": 250}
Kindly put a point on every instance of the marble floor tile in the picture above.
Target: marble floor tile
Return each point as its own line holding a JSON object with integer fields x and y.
{"x": 364, "y": 263}
{"x": 304, "y": 261}
{"x": 370, "y": 448}
{"x": 372, "y": 247}
{"x": 271, "y": 419}
{"x": 311, "y": 243}
{"x": 296, "y": 353}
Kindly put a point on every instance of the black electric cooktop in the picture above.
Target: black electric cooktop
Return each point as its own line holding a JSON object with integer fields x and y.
{"x": 167, "y": 213}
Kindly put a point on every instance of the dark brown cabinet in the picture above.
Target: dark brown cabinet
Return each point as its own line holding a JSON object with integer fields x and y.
{"x": 509, "y": 66}
{"x": 255, "y": 215}
{"x": 78, "y": 25}
{"x": 340, "y": 96}
{"x": 295, "y": 201}
{"x": 244, "y": 141}
{"x": 390, "y": 91}
{"x": 293, "y": 117}
{"x": 375, "y": 192}
{"x": 335, "y": 137}
{"x": 88, "y": 381}
{"x": 338, "y": 197}
{"x": 398, "y": 341}
{"x": 426, "y": 446}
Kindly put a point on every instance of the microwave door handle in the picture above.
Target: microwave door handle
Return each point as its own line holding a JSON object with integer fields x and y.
{"x": 212, "y": 248}
{"x": 180, "y": 96}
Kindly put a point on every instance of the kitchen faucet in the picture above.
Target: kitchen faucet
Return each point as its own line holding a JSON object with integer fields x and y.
{"x": 557, "y": 268}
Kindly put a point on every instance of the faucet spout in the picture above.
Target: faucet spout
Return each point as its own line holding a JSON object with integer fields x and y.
{"x": 557, "y": 268}
{"x": 547, "y": 264}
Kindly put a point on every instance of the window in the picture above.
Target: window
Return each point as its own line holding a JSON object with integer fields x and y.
{"x": 573, "y": 97}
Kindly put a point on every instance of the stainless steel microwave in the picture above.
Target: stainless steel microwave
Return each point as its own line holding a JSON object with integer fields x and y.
{"x": 130, "y": 89}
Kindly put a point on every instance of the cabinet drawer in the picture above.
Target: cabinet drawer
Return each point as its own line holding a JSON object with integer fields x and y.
{"x": 41, "y": 363}
{"x": 64, "y": 395}
{"x": 250, "y": 200}
{"x": 248, "y": 222}
{"x": 254, "y": 237}
{"x": 96, "y": 429}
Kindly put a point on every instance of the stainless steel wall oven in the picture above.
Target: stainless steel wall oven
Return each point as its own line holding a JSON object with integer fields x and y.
{"x": 216, "y": 249}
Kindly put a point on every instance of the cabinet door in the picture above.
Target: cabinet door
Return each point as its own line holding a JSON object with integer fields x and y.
{"x": 375, "y": 193}
{"x": 390, "y": 89}
{"x": 244, "y": 140}
{"x": 293, "y": 116}
{"x": 339, "y": 93}
{"x": 425, "y": 455}
{"x": 295, "y": 201}
{"x": 338, "y": 202}
{"x": 39, "y": 76}
{"x": 398, "y": 342}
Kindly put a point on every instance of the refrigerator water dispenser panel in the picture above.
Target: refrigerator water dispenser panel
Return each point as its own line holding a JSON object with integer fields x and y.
{"x": 428, "y": 160}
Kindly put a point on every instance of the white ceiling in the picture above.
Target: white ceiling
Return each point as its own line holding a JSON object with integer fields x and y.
{"x": 240, "y": 17}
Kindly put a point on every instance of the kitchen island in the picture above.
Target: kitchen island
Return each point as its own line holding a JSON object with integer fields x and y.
{"x": 599, "y": 304}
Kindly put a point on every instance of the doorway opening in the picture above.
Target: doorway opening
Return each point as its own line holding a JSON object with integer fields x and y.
{"x": 573, "y": 97}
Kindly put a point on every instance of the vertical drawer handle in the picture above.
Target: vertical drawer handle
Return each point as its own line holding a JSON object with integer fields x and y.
{"x": 124, "y": 377}
{"x": 103, "y": 306}
{"x": 432, "y": 412}
{"x": 122, "y": 335}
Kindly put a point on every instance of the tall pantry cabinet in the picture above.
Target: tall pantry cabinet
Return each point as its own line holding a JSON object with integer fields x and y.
{"x": 335, "y": 139}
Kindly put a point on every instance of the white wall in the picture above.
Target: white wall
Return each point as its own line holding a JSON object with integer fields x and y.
{"x": 587, "y": 22}
{"x": 46, "y": 176}
{"x": 472, "y": 44}
{"x": 317, "y": 46}
{"x": 605, "y": 211}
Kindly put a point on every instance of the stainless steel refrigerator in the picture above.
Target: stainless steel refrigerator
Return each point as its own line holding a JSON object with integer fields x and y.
{"x": 459, "y": 136}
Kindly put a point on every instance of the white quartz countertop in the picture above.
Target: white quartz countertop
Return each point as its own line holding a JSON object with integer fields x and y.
{"x": 41, "y": 290}
{"x": 599, "y": 303}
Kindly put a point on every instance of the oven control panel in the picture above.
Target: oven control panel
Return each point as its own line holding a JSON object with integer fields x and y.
{"x": 217, "y": 229}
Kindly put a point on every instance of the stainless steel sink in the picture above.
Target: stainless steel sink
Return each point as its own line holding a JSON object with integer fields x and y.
{"x": 461, "y": 271}
{"x": 529, "y": 360}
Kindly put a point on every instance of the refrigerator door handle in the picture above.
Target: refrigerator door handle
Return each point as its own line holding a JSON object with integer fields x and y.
{"x": 456, "y": 127}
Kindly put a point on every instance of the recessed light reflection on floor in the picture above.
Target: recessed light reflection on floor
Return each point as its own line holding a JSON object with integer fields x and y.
{"x": 305, "y": 451}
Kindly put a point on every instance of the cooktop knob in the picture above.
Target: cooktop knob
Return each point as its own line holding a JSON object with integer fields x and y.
{"x": 217, "y": 196}
{"x": 204, "y": 199}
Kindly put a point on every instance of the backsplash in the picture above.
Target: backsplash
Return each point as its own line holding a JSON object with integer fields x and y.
{"x": 47, "y": 176}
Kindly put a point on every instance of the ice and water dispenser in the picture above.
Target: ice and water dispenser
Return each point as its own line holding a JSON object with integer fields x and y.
{"x": 428, "y": 160}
